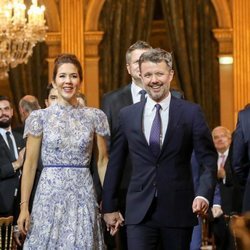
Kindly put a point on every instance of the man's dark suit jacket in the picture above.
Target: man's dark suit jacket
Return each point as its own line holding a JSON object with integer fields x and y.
{"x": 241, "y": 154}
{"x": 170, "y": 174}
{"x": 112, "y": 103}
{"x": 9, "y": 179}
{"x": 230, "y": 191}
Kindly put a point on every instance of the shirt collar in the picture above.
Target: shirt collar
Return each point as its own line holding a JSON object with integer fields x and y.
{"x": 164, "y": 103}
{"x": 225, "y": 153}
{"x": 3, "y": 131}
{"x": 135, "y": 89}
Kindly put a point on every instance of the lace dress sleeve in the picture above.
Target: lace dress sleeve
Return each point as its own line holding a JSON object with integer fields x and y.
{"x": 34, "y": 124}
{"x": 101, "y": 123}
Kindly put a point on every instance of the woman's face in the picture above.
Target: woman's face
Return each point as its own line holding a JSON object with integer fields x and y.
{"x": 67, "y": 82}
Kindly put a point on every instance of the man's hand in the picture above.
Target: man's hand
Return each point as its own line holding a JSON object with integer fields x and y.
{"x": 221, "y": 173}
{"x": 19, "y": 162}
{"x": 18, "y": 237}
{"x": 216, "y": 211}
{"x": 200, "y": 206}
{"x": 113, "y": 221}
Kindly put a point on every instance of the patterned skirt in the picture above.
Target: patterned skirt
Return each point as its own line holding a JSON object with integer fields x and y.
{"x": 65, "y": 212}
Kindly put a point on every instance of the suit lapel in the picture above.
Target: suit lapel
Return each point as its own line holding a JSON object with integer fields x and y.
{"x": 174, "y": 117}
{"x": 5, "y": 146}
{"x": 127, "y": 96}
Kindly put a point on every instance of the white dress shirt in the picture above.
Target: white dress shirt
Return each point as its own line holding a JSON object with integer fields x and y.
{"x": 149, "y": 114}
{"x": 136, "y": 96}
{"x": 3, "y": 133}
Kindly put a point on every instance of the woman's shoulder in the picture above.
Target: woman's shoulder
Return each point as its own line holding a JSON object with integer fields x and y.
{"x": 91, "y": 111}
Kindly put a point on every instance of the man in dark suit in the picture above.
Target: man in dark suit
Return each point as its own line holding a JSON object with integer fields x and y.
{"x": 11, "y": 158}
{"x": 228, "y": 200}
{"x": 160, "y": 134}
{"x": 112, "y": 103}
{"x": 241, "y": 154}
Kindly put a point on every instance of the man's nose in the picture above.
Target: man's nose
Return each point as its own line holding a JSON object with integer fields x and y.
{"x": 154, "y": 78}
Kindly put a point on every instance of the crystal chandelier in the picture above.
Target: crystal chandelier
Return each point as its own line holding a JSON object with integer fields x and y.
{"x": 18, "y": 35}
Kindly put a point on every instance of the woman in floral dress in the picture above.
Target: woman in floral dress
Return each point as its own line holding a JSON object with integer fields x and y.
{"x": 65, "y": 213}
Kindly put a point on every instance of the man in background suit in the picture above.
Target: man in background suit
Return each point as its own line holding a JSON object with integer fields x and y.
{"x": 161, "y": 205}
{"x": 11, "y": 158}
{"x": 113, "y": 102}
{"x": 241, "y": 154}
{"x": 27, "y": 104}
{"x": 228, "y": 200}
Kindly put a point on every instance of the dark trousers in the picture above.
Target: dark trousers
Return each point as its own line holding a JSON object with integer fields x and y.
{"x": 224, "y": 239}
{"x": 151, "y": 235}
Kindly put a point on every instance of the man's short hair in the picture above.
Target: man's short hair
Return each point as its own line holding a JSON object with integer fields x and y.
{"x": 156, "y": 56}
{"x": 142, "y": 45}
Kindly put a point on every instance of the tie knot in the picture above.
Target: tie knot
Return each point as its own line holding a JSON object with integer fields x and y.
{"x": 142, "y": 92}
{"x": 157, "y": 106}
{"x": 222, "y": 156}
{"x": 8, "y": 133}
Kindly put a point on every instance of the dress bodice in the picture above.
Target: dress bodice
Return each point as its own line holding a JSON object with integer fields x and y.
{"x": 67, "y": 133}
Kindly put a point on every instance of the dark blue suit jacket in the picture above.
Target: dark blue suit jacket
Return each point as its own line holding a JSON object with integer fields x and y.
{"x": 241, "y": 154}
{"x": 9, "y": 180}
{"x": 170, "y": 174}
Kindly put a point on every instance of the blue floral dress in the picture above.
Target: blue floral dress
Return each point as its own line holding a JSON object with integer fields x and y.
{"x": 65, "y": 212}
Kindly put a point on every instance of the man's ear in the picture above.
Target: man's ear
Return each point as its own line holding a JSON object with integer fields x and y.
{"x": 128, "y": 68}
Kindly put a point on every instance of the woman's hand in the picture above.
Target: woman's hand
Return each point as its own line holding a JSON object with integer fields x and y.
{"x": 23, "y": 221}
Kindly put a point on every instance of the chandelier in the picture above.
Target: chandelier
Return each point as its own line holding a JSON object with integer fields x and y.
{"x": 19, "y": 32}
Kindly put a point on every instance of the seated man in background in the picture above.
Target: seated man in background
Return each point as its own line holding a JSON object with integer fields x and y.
{"x": 230, "y": 200}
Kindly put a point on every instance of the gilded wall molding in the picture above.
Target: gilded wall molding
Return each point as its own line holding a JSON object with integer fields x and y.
{"x": 225, "y": 40}
{"x": 92, "y": 15}
{"x": 223, "y": 12}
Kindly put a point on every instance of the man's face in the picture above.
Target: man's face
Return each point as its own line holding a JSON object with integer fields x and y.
{"x": 6, "y": 113}
{"x": 133, "y": 66}
{"x": 52, "y": 98}
{"x": 156, "y": 78}
{"x": 221, "y": 139}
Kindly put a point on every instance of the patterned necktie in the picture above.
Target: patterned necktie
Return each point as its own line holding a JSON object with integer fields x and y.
{"x": 142, "y": 93}
{"x": 11, "y": 146}
{"x": 155, "y": 133}
{"x": 222, "y": 160}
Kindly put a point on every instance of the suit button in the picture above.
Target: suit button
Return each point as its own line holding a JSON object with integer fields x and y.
{"x": 154, "y": 184}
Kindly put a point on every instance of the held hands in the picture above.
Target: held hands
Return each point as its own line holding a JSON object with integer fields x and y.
{"x": 113, "y": 221}
{"x": 200, "y": 206}
{"x": 18, "y": 237}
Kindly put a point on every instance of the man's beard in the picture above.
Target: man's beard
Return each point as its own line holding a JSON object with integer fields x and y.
{"x": 5, "y": 124}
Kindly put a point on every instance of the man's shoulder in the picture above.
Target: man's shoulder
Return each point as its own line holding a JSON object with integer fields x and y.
{"x": 184, "y": 103}
{"x": 245, "y": 112}
{"x": 118, "y": 92}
